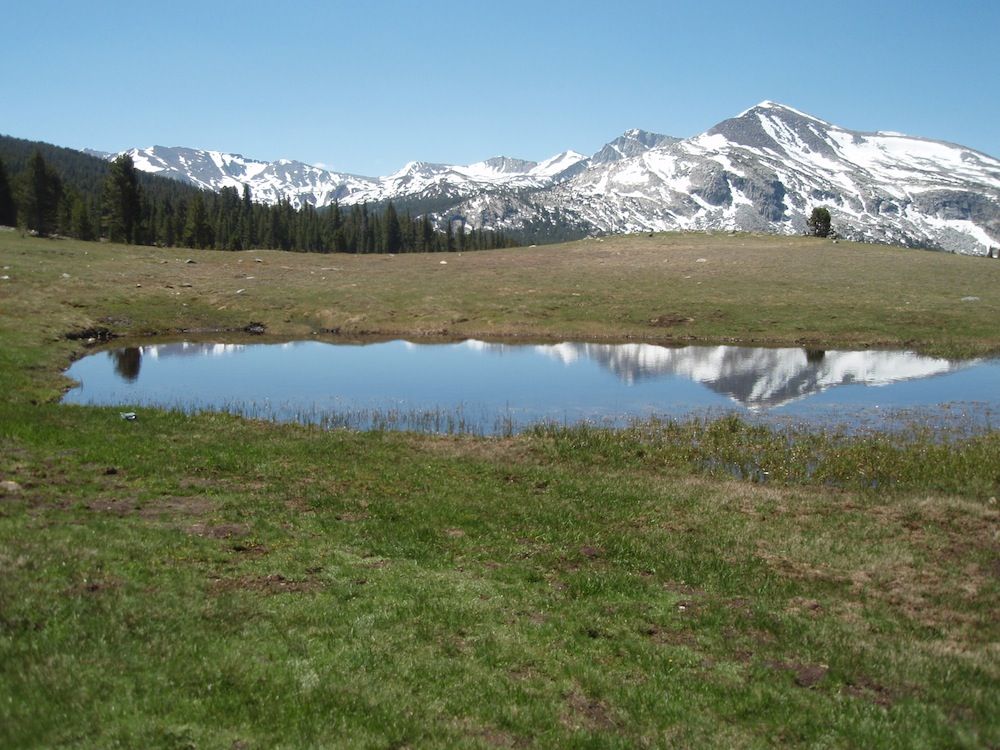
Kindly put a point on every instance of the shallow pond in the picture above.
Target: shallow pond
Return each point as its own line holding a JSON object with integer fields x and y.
{"x": 489, "y": 388}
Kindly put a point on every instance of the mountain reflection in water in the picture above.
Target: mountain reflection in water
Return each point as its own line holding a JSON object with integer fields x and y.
{"x": 567, "y": 382}
{"x": 756, "y": 377}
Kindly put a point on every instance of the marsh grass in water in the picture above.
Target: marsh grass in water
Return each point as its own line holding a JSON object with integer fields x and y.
{"x": 917, "y": 459}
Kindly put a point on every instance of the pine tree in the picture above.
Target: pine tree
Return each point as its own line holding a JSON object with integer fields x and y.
{"x": 166, "y": 231}
{"x": 8, "y": 209}
{"x": 426, "y": 235}
{"x": 247, "y": 226}
{"x": 449, "y": 238}
{"x": 409, "y": 230}
{"x": 42, "y": 190}
{"x": 80, "y": 224}
{"x": 819, "y": 222}
{"x": 197, "y": 232}
{"x": 121, "y": 201}
{"x": 393, "y": 233}
{"x": 227, "y": 215}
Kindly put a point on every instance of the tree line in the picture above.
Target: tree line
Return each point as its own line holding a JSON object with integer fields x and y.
{"x": 125, "y": 207}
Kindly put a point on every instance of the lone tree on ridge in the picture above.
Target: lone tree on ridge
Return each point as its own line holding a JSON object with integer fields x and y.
{"x": 819, "y": 222}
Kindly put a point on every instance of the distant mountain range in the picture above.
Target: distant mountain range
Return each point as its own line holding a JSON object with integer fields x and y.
{"x": 763, "y": 170}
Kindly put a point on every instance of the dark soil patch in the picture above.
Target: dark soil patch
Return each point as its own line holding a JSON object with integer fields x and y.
{"x": 92, "y": 587}
{"x": 865, "y": 689}
{"x": 196, "y": 483}
{"x": 806, "y": 675}
{"x": 491, "y": 736}
{"x": 669, "y": 320}
{"x": 663, "y": 637}
{"x": 351, "y": 517}
{"x": 253, "y": 550}
{"x": 741, "y": 605}
{"x": 93, "y": 334}
{"x": 122, "y": 507}
{"x": 802, "y": 606}
{"x": 582, "y": 712}
{"x": 810, "y": 675}
{"x": 176, "y": 506}
{"x": 219, "y": 531}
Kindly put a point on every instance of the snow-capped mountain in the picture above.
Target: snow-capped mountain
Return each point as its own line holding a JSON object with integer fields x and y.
{"x": 303, "y": 184}
{"x": 767, "y": 168}
{"x": 763, "y": 170}
{"x": 269, "y": 181}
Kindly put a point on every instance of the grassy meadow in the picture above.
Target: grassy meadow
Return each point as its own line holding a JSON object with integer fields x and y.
{"x": 204, "y": 581}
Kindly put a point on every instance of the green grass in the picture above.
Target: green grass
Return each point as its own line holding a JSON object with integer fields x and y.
{"x": 212, "y": 582}
{"x": 666, "y": 288}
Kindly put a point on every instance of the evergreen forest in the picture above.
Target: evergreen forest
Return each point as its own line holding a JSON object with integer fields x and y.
{"x": 54, "y": 191}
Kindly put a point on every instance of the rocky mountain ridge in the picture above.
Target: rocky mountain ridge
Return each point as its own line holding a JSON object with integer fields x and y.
{"x": 763, "y": 170}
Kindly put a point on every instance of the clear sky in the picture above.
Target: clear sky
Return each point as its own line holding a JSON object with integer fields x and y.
{"x": 367, "y": 85}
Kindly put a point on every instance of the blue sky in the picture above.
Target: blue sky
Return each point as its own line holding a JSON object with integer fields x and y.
{"x": 365, "y": 86}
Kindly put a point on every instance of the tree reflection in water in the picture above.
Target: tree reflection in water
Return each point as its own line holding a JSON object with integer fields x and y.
{"x": 127, "y": 362}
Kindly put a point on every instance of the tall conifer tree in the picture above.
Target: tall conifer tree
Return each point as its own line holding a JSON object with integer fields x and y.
{"x": 121, "y": 201}
{"x": 393, "y": 233}
{"x": 197, "y": 232}
{"x": 8, "y": 209}
{"x": 42, "y": 190}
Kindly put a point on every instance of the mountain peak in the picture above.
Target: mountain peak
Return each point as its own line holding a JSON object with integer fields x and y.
{"x": 631, "y": 143}
{"x": 507, "y": 164}
{"x": 777, "y": 108}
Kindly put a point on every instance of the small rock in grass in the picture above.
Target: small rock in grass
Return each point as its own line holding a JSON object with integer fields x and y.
{"x": 9, "y": 487}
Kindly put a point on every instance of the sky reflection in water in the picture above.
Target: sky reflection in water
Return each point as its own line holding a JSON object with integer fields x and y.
{"x": 515, "y": 385}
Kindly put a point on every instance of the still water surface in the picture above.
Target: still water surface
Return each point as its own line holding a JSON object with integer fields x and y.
{"x": 481, "y": 387}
